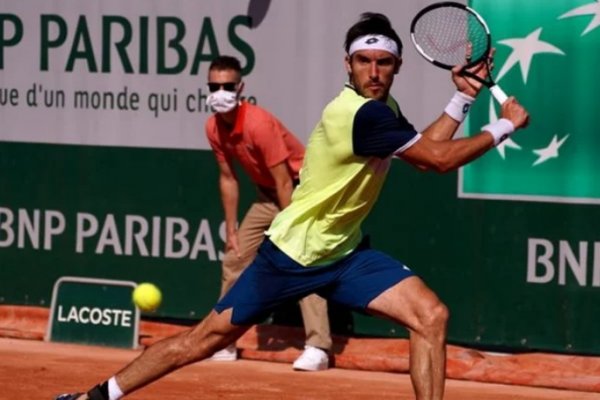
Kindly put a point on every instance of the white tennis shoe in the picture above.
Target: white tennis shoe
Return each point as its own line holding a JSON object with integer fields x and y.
{"x": 229, "y": 353}
{"x": 312, "y": 359}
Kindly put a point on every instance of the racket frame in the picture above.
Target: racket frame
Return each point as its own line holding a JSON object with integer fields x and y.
{"x": 498, "y": 93}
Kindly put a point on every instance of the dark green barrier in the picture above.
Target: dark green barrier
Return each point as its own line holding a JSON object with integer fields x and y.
{"x": 111, "y": 185}
{"x": 476, "y": 254}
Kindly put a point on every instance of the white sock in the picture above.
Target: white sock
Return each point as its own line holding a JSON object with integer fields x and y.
{"x": 114, "y": 391}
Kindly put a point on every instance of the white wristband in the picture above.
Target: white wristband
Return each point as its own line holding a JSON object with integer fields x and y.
{"x": 458, "y": 107}
{"x": 500, "y": 130}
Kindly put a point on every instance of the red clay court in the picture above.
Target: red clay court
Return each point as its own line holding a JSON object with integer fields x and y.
{"x": 39, "y": 370}
{"x": 365, "y": 368}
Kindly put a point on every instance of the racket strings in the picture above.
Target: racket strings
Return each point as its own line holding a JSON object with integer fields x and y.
{"x": 451, "y": 36}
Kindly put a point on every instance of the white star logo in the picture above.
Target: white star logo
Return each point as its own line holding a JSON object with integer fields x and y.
{"x": 523, "y": 51}
{"x": 507, "y": 143}
{"x": 551, "y": 151}
{"x": 588, "y": 9}
{"x": 501, "y": 147}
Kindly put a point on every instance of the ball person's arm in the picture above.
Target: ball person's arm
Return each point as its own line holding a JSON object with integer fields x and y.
{"x": 230, "y": 192}
{"x": 284, "y": 183}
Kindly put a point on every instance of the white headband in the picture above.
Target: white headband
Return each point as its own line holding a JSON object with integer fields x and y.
{"x": 374, "y": 42}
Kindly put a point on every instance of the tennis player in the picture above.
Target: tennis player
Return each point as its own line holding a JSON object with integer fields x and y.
{"x": 315, "y": 245}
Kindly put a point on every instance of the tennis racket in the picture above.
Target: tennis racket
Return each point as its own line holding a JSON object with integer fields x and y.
{"x": 448, "y": 34}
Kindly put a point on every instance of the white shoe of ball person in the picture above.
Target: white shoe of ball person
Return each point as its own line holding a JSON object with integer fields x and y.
{"x": 229, "y": 353}
{"x": 312, "y": 359}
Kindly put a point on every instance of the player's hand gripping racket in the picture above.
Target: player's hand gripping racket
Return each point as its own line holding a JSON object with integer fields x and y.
{"x": 449, "y": 34}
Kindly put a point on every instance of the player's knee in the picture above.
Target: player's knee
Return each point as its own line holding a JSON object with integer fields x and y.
{"x": 436, "y": 319}
{"x": 180, "y": 349}
{"x": 442, "y": 315}
{"x": 193, "y": 347}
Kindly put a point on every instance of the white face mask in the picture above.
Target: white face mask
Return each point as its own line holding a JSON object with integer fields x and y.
{"x": 222, "y": 101}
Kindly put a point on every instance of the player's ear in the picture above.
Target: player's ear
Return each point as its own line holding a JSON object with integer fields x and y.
{"x": 240, "y": 88}
{"x": 347, "y": 64}
{"x": 398, "y": 64}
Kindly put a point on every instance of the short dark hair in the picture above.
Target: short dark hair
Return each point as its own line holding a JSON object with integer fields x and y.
{"x": 226, "y": 62}
{"x": 372, "y": 23}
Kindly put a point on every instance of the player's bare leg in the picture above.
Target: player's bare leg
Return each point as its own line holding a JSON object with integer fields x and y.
{"x": 413, "y": 304}
{"x": 213, "y": 333}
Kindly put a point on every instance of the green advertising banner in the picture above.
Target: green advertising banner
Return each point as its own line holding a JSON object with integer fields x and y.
{"x": 547, "y": 56}
{"x": 143, "y": 215}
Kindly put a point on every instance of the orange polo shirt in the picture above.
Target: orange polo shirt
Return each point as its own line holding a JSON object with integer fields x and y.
{"x": 258, "y": 141}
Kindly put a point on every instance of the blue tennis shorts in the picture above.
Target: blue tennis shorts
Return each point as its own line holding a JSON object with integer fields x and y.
{"x": 273, "y": 278}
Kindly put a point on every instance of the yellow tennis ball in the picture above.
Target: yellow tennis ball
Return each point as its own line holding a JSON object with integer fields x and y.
{"x": 147, "y": 296}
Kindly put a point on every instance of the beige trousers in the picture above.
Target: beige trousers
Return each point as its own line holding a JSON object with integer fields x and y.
{"x": 250, "y": 235}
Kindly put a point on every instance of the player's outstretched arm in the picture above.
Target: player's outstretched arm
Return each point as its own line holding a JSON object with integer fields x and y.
{"x": 448, "y": 155}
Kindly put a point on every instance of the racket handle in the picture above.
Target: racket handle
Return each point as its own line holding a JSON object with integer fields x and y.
{"x": 498, "y": 94}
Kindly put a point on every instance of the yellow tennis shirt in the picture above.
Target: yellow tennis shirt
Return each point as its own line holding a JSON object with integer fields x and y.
{"x": 336, "y": 192}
